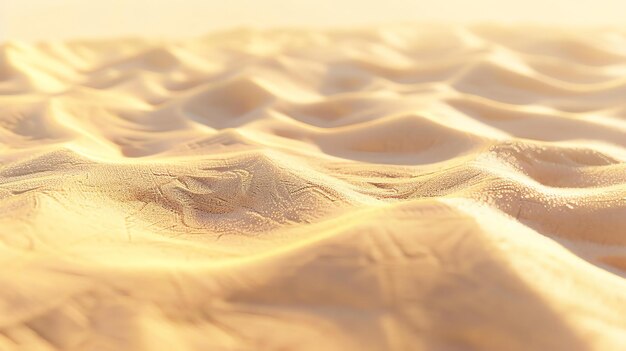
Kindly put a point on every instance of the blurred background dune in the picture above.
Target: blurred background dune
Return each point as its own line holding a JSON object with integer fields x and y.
{"x": 62, "y": 19}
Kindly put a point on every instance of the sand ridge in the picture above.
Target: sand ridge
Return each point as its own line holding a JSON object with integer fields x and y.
{"x": 393, "y": 188}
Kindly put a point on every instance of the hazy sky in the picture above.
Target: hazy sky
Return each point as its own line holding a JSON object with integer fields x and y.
{"x": 56, "y": 19}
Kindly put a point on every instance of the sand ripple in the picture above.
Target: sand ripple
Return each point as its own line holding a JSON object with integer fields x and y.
{"x": 422, "y": 188}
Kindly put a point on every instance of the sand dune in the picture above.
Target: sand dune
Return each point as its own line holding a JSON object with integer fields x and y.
{"x": 397, "y": 188}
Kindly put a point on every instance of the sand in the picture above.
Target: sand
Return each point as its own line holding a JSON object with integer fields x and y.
{"x": 393, "y": 188}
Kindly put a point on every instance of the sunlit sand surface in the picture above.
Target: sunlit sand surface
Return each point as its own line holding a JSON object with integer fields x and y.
{"x": 409, "y": 188}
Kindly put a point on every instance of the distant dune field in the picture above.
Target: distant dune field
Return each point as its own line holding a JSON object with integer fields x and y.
{"x": 392, "y": 188}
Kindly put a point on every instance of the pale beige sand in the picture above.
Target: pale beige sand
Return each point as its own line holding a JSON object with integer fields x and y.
{"x": 423, "y": 188}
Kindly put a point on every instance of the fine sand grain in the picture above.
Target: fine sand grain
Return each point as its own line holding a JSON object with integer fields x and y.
{"x": 396, "y": 188}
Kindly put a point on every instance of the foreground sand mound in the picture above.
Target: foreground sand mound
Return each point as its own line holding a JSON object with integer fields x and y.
{"x": 420, "y": 188}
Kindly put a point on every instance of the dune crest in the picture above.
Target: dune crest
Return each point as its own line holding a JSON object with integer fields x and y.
{"x": 401, "y": 188}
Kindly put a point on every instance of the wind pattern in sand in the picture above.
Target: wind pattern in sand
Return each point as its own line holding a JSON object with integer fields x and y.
{"x": 394, "y": 188}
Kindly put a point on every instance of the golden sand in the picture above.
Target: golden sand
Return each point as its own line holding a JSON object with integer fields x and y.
{"x": 409, "y": 188}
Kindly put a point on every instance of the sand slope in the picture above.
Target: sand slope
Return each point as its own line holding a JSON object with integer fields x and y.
{"x": 423, "y": 188}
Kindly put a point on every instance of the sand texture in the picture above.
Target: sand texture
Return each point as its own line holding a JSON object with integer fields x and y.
{"x": 394, "y": 188}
